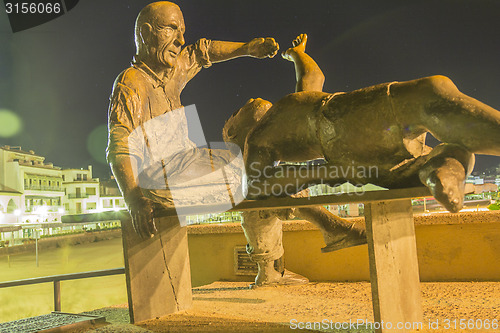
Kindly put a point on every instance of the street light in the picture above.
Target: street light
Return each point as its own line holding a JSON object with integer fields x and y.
{"x": 60, "y": 213}
{"x": 42, "y": 211}
{"x": 37, "y": 236}
{"x": 17, "y": 213}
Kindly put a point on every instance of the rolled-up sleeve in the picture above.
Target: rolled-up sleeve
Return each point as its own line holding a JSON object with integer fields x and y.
{"x": 195, "y": 57}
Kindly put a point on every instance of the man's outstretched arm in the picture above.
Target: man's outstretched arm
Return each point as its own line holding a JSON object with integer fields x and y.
{"x": 257, "y": 48}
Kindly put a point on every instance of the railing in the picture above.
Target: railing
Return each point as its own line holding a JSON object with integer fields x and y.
{"x": 78, "y": 196}
{"x": 43, "y": 188}
{"x": 50, "y": 209}
{"x": 56, "y": 279}
{"x": 87, "y": 180}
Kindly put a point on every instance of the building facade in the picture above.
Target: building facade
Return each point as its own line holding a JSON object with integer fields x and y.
{"x": 110, "y": 196}
{"x": 81, "y": 191}
{"x": 39, "y": 183}
{"x": 10, "y": 203}
{"x": 35, "y": 191}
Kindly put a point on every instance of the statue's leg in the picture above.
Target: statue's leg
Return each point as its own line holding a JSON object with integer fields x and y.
{"x": 443, "y": 171}
{"x": 309, "y": 75}
{"x": 263, "y": 231}
{"x": 267, "y": 141}
{"x": 272, "y": 139}
{"x": 436, "y": 104}
{"x": 338, "y": 233}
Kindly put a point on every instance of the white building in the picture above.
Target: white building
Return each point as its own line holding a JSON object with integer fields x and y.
{"x": 39, "y": 183}
{"x": 476, "y": 180}
{"x": 82, "y": 191}
{"x": 32, "y": 191}
{"x": 110, "y": 196}
{"x": 10, "y": 203}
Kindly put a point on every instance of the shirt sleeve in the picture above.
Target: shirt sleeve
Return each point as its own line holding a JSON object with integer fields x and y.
{"x": 121, "y": 124}
{"x": 195, "y": 57}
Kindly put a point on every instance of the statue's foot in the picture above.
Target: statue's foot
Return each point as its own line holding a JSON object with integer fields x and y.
{"x": 446, "y": 183}
{"x": 299, "y": 46}
{"x": 276, "y": 279}
{"x": 342, "y": 239}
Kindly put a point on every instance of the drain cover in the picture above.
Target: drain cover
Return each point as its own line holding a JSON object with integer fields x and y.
{"x": 55, "y": 321}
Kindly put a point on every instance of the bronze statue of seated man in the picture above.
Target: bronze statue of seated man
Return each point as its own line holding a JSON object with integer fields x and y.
{"x": 146, "y": 101}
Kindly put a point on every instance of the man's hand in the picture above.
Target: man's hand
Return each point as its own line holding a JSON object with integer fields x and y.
{"x": 262, "y": 47}
{"x": 141, "y": 211}
{"x": 139, "y": 207}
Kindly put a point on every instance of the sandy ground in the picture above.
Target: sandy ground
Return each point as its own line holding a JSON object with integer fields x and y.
{"x": 232, "y": 307}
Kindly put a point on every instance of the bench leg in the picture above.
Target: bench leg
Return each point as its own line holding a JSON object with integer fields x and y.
{"x": 157, "y": 270}
{"x": 393, "y": 260}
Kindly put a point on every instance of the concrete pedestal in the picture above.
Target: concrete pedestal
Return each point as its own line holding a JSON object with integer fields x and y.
{"x": 157, "y": 270}
{"x": 393, "y": 260}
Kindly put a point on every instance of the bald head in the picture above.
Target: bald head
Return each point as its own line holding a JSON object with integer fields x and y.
{"x": 159, "y": 28}
{"x": 243, "y": 121}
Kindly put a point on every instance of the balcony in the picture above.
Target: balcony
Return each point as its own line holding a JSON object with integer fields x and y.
{"x": 47, "y": 209}
{"x": 43, "y": 188}
{"x": 82, "y": 180}
{"x": 78, "y": 196}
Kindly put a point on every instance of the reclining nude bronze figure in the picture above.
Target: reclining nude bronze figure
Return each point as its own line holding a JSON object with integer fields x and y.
{"x": 376, "y": 133}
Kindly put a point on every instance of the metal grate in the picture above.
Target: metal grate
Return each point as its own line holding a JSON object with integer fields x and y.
{"x": 242, "y": 263}
{"x": 52, "y": 322}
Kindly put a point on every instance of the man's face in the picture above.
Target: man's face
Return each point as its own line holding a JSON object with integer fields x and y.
{"x": 167, "y": 36}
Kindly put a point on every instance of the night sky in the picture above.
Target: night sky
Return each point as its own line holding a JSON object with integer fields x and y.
{"x": 57, "y": 78}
